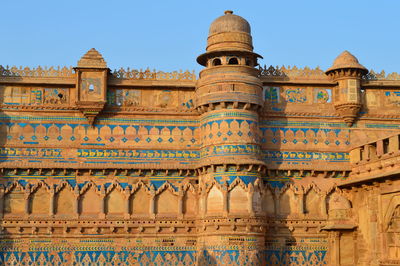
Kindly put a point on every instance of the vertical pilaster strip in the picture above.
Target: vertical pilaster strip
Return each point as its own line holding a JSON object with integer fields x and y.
{"x": 127, "y": 196}
{"x": 180, "y": 202}
{"x": 27, "y": 197}
{"x": 52, "y": 200}
{"x": 2, "y": 195}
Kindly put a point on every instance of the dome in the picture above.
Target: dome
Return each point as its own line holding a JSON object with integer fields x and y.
{"x": 228, "y": 34}
{"x": 229, "y": 23}
{"x": 346, "y": 60}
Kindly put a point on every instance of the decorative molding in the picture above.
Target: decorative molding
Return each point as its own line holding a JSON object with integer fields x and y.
{"x": 372, "y": 75}
{"x": 154, "y": 75}
{"x": 292, "y": 72}
{"x": 38, "y": 72}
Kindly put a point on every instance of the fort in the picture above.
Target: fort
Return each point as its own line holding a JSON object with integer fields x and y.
{"x": 240, "y": 165}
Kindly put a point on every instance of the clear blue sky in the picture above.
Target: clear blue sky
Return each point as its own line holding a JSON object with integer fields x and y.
{"x": 169, "y": 35}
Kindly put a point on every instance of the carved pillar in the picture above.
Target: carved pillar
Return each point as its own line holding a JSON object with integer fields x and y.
{"x": 225, "y": 207}
{"x": 374, "y": 231}
{"x": 203, "y": 202}
{"x": 152, "y": 204}
{"x": 2, "y": 194}
{"x": 334, "y": 240}
{"x": 27, "y": 199}
{"x": 324, "y": 211}
{"x": 250, "y": 195}
{"x": 102, "y": 214}
{"x": 52, "y": 199}
{"x": 180, "y": 203}
{"x": 76, "y": 202}
{"x": 301, "y": 204}
{"x": 277, "y": 201}
{"x": 127, "y": 195}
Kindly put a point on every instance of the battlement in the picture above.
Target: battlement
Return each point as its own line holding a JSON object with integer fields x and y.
{"x": 375, "y": 160}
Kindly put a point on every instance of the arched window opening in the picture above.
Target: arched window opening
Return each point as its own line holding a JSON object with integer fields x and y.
{"x": 233, "y": 61}
{"x": 216, "y": 62}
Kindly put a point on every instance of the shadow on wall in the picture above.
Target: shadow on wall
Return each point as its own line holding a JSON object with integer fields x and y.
{"x": 205, "y": 258}
{"x": 284, "y": 245}
{"x": 279, "y": 240}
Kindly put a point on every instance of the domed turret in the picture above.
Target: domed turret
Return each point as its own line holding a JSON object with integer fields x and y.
{"x": 228, "y": 33}
{"x": 346, "y": 61}
{"x": 229, "y": 87}
{"x": 347, "y": 72}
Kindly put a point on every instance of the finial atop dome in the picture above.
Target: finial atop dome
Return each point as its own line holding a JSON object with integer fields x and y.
{"x": 346, "y": 60}
{"x": 92, "y": 59}
{"x": 228, "y": 12}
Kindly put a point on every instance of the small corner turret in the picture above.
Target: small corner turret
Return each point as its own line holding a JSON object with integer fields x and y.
{"x": 91, "y": 74}
{"x": 347, "y": 72}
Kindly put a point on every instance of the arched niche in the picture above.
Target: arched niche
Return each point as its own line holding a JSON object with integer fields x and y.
{"x": 190, "y": 203}
{"x": 214, "y": 200}
{"x": 64, "y": 202}
{"x": 39, "y": 202}
{"x": 268, "y": 203}
{"x": 287, "y": 203}
{"x": 114, "y": 203}
{"x": 237, "y": 200}
{"x": 166, "y": 203}
{"x": 14, "y": 201}
{"x": 312, "y": 203}
{"x": 89, "y": 202}
{"x": 139, "y": 202}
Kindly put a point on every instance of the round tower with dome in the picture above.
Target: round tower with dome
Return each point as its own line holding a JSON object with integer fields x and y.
{"x": 229, "y": 96}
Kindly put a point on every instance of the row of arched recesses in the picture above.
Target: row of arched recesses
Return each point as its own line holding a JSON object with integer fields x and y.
{"x": 286, "y": 203}
{"x": 91, "y": 203}
{"x": 230, "y": 60}
{"x": 116, "y": 201}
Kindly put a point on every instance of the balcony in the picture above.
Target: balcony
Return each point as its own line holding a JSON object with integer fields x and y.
{"x": 375, "y": 160}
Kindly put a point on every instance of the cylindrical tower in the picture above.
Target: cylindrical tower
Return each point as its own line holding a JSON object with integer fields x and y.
{"x": 347, "y": 72}
{"x": 228, "y": 96}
